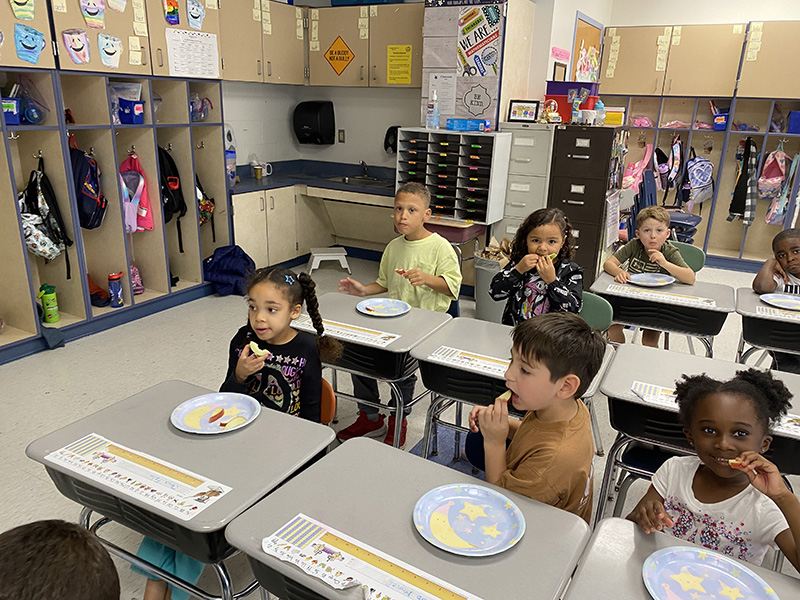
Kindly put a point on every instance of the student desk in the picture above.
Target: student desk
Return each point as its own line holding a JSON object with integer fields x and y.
{"x": 253, "y": 461}
{"x": 460, "y": 374}
{"x": 368, "y": 491}
{"x": 389, "y": 363}
{"x": 611, "y": 566}
{"x": 664, "y": 312}
{"x": 764, "y": 326}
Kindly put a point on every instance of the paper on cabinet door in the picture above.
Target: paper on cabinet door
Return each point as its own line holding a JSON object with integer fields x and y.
{"x": 612, "y": 219}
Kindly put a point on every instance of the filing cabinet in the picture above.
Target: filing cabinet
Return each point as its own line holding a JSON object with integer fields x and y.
{"x": 586, "y": 169}
{"x": 528, "y": 174}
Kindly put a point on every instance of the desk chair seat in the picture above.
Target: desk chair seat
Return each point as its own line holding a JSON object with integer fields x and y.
{"x": 598, "y": 314}
{"x": 327, "y": 403}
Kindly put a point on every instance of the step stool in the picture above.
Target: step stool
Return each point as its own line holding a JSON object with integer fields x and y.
{"x": 320, "y": 254}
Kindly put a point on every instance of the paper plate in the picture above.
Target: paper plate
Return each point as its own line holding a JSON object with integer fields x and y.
{"x": 470, "y": 520}
{"x": 787, "y": 301}
{"x": 652, "y": 279}
{"x": 383, "y": 307}
{"x": 215, "y": 413}
{"x": 689, "y": 572}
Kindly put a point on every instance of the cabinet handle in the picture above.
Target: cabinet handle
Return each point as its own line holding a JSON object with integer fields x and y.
{"x": 269, "y": 68}
{"x": 160, "y": 57}
{"x": 520, "y": 204}
{"x": 272, "y": 202}
{"x": 580, "y": 156}
{"x": 655, "y": 84}
{"x": 670, "y": 85}
{"x": 521, "y": 160}
{"x": 259, "y": 66}
{"x": 261, "y": 202}
{"x": 575, "y": 202}
{"x": 144, "y": 56}
{"x": 361, "y": 72}
{"x": 374, "y": 73}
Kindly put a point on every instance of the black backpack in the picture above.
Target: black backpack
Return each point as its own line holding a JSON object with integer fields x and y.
{"x": 172, "y": 201}
{"x": 90, "y": 200}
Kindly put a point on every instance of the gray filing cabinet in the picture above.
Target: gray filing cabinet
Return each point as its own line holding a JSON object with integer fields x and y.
{"x": 528, "y": 174}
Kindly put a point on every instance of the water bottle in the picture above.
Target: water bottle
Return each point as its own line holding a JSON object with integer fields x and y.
{"x": 48, "y": 295}
{"x": 115, "y": 289}
{"x": 230, "y": 166}
{"x": 600, "y": 109}
{"x": 432, "y": 117}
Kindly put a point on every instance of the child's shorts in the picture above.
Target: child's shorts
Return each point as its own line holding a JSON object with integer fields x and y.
{"x": 171, "y": 561}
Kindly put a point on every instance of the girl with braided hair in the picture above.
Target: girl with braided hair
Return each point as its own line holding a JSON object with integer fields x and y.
{"x": 268, "y": 359}
{"x": 729, "y": 498}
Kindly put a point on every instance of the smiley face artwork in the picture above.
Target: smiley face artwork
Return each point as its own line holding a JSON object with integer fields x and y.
{"x": 23, "y": 9}
{"x": 94, "y": 13}
{"x": 110, "y": 49}
{"x": 29, "y": 43}
{"x": 77, "y": 44}
{"x": 196, "y": 12}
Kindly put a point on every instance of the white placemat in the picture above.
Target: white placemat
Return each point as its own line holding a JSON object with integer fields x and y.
{"x": 650, "y": 294}
{"x": 350, "y": 333}
{"x": 470, "y": 361}
{"x": 777, "y": 313}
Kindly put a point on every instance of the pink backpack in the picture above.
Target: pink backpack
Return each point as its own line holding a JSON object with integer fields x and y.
{"x": 773, "y": 174}
{"x": 144, "y": 217}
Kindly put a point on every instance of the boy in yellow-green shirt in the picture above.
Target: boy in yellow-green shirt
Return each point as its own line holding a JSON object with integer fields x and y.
{"x": 419, "y": 267}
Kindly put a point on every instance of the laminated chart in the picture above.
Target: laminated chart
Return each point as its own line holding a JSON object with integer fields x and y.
{"x": 626, "y": 290}
{"x": 777, "y": 313}
{"x": 156, "y": 482}
{"x": 655, "y": 394}
{"x": 348, "y": 333}
{"x": 343, "y": 562}
{"x": 469, "y": 361}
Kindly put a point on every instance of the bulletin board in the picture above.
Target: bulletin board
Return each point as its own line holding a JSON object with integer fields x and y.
{"x": 586, "y": 49}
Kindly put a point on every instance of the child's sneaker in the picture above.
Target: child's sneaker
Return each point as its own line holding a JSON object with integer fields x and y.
{"x": 363, "y": 427}
{"x": 389, "y": 439}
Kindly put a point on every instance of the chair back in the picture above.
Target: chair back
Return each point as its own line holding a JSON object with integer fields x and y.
{"x": 596, "y": 311}
{"x": 695, "y": 257}
{"x": 327, "y": 403}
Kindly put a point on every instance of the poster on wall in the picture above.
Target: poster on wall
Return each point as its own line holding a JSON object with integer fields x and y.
{"x": 479, "y": 45}
{"x": 586, "y": 51}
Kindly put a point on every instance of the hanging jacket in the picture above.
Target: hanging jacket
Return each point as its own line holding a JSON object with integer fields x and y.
{"x": 144, "y": 217}
{"x": 745, "y": 193}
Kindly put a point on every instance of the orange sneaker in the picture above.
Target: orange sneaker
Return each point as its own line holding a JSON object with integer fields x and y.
{"x": 389, "y": 439}
{"x": 363, "y": 427}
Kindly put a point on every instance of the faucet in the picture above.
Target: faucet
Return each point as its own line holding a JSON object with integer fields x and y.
{"x": 364, "y": 169}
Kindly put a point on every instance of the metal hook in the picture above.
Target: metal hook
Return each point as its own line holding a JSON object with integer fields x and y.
{"x": 200, "y": 146}
{"x": 13, "y": 136}
{"x": 132, "y": 149}
{"x": 169, "y": 147}
{"x": 91, "y": 150}
{"x": 37, "y": 155}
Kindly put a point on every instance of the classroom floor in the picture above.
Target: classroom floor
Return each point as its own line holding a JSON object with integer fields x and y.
{"x": 190, "y": 342}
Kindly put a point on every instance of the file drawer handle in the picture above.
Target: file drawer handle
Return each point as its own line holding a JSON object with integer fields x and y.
{"x": 520, "y": 204}
{"x": 581, "y": 156}
{"x": 574, "y": 202}
{"x": 521, "y": 160}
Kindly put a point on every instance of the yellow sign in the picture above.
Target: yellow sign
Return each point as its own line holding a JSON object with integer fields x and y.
{"x": 339, "y": 55}
{"x": 398, "y": 64}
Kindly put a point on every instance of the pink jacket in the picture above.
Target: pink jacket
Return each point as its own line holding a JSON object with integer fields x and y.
{"x": 144, "y": 217}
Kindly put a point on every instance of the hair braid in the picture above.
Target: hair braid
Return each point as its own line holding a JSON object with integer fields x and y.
{"x": 329, "y": 348}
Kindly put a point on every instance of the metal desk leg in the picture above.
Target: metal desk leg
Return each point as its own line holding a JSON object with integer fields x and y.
{"x": 398, "y": 409}
{"x": 224, "y": 580}
{"x": 740, "y": 348}
{"x": 457, "y": 445}
{"x": 708, "y": 342}
{"x": 598, "y": 441}
{"x": 430, "y": 424}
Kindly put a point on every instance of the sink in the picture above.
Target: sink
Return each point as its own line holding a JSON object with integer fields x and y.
{"x": 361, "y": 181}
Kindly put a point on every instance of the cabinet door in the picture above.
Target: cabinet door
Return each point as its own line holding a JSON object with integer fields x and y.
{"x": 720, "y": 47}
{"x": 340, "y": 56}
{"x": 764, "y": 68}
{"x": 631, "y": 62}
{"x": 281, "y": 228}
{"x": 240, "y": 41}
{"x": 395, "y": 45}
{"x": 283, "y": 44}
{"x": 195, "y": 54}
{"x": 250, "y": 225}
{"x": 114, "y": 48}
{"x": 36, "y": 48}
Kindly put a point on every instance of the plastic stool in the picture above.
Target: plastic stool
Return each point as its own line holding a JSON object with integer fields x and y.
{"x": 320, "y": 254}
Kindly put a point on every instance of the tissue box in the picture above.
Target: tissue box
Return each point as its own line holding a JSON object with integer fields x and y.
{"x": 11, "y": 110}
{"x": 721, "y": 122}
{"x": 615, "y": 115}
{"x": 131, "y": 112}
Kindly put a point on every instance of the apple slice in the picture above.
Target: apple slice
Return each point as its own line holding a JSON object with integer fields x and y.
{"x": 400, "y": 271}
{"x": 553, "y": 255}
{"x": 234, "y": 422}
{"x": 506, "y": 396}
{"x": 216, "y": 415}
{"x": 256, "y": 350}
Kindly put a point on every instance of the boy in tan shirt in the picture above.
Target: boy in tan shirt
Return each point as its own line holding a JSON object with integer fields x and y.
{"x": 554, "y": 358}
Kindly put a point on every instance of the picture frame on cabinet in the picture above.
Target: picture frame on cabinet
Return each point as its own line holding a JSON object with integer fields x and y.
{"x": 559, "y": 72}
{"x": 523, "y": 111}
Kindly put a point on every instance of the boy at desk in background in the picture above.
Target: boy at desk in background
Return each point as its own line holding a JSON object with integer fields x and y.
{"x": 554, "y": 358}
{"x": 650, "y": 252}
{"x": 419, "y": 267}
{"x": 781, "y": 275}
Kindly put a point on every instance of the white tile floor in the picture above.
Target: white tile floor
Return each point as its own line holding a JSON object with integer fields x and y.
{"x": 48, "y": 390}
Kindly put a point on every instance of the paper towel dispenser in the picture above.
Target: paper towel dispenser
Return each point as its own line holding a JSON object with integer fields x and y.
{"x": 314, "y": 122}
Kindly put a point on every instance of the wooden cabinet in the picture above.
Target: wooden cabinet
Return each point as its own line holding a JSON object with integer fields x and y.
{"x": 264, "y": 225}
{"x": 720, "y": 47}
{"x": 283, "y": 49}
{"x": 241, "y": 51}
{"x": 190, "y": 62}
{"x": 107, "y": 49}
{"x": 771, "y": 49}
{"x": 340, "y": 55}
{"x": 281, "y": 225}
{"x": 250, "y": 225}
{"x": 36, "y": 48}
{"x": 395, "y": 45}
{"x": 630, "y": 56}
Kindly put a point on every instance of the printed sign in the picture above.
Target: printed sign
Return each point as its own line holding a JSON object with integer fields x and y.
{"x": 478, "y": 47}
{"x": 477, "y": 100}
{"x": 398, "y": 64}
{"x": 339, "y": 55}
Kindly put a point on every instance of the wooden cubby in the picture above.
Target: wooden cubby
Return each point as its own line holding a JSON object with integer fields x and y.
{"x": 145, "y": 97}
{"x": 42, "y": 81}
{"x": 212, "y": 91}
{"x": 87, "y": 99}
{"x": 209, "y": 160}
{"x": 173, "y": 109}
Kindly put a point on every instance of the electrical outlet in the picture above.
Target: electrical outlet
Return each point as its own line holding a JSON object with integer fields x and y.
{"x": 341, "y": 136}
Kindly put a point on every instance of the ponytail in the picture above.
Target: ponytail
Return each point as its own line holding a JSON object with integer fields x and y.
{"x": 329, "y": 349}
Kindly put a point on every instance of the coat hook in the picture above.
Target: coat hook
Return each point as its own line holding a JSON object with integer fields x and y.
{"x": 169, "y": 147}
{"x": 200, "y": 146}
{"x": 13, "y": 136}
{"x": 132, "y": 150}
{"x": 91, "y": 150}
{"x": 37, "y": 155}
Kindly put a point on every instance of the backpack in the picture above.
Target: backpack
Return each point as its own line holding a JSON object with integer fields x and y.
{"x": 144, "y": 216}
{"x": 42, "y": 223}
{"x": 90, "y": 200}
{"x": 172, "y": 200}
{"x": 205, "y": 207}
{"x": 228, "y": 269}
{"x": 132, "y": 188}
{"x": 660, "y": 168}
{"x": 773, "y": 174}
{"x": 700, "y": 173}
{"x": 776, "y": 214}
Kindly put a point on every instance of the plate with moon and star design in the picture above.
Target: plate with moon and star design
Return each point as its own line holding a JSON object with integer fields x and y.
{"x": 693, "y": 573}
{"x": 652, "y": 279}
{"x": 470, "y": 520}
{"x": 215, "y": 413}
{"x": 786, "y": 301}
{"x": 383, "y": 307}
